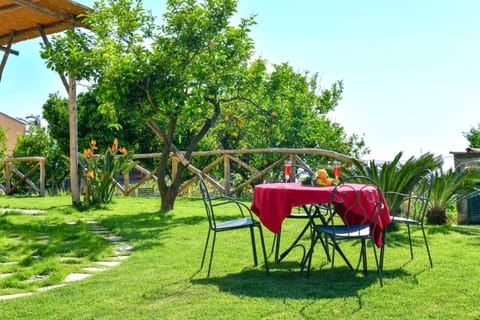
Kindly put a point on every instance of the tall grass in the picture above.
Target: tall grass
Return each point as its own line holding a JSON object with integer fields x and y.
{"x": 162, "y": 280}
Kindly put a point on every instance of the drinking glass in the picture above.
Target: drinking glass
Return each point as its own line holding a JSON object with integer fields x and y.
{"x": 287, "y": 167}
{"x": 336, "y": 169}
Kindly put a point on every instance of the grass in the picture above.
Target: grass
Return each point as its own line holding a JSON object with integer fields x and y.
{"x": 161, "y": 279}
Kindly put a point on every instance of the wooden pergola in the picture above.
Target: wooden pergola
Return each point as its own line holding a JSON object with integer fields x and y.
{"x": 28, "y": 19}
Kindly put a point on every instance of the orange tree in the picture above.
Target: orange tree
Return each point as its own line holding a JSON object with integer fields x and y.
{"x": 176, "y": 75}
{"x": 185, "y": 75}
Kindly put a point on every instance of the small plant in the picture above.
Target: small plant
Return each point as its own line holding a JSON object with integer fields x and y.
{"x": 98, "y": 171}
{"x": 450, "y": 187}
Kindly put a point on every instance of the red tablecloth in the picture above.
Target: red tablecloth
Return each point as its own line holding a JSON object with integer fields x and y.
{"x": 273, "y": 202}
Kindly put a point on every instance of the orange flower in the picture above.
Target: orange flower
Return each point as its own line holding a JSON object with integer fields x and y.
{"x": 93, "y": 144}
{"x": 89, "y": 174}
{"x": 123, "y": 150}
{"x": 211, "y": 44}
{"x": 115, "y": 145}
{"x": 235, "y": 134}
{"x": 87, "y": 153}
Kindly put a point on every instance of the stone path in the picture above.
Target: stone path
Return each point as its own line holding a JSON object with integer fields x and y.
{"x": 121, "y": 248}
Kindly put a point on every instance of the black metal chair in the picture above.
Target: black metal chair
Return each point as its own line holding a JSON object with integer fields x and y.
{"x": 354, "y": 213}
{"x": 412, "y": 210}
{"x": 245, "y": 221}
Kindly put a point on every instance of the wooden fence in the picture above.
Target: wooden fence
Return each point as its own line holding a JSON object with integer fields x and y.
{"x": 9, "y": 170}
{"x": 219, "y": 158}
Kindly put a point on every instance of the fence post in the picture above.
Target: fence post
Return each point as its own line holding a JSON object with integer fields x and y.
{"x": 8, "y": 181}
{"x": 226, "y": 173}
{"x": 42, "y": 178}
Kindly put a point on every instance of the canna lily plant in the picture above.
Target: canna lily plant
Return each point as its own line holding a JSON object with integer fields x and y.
{"x": 98, "y": 172}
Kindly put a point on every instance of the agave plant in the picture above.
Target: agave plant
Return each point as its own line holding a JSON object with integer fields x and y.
{"x": 453, "y": 186}
{"x": 397, "y": 176}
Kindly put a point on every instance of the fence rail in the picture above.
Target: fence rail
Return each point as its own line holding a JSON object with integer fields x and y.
{"x": 219, "y": 158}
{"x": 223, "y": 184}
{"x": 9, "y": 169}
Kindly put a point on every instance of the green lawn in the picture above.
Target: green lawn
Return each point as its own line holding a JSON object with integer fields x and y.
{"x": 161, "y": 278}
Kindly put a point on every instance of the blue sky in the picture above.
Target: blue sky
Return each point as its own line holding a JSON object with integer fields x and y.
{"x": 411, "y": 69}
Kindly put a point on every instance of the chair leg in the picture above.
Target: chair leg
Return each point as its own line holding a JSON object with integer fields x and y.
{"x": 426, "y": 245}
{"x": 254, "y": 247}
{"x": 263, "y": 248}
{"x": 410, "y": 241}
{"x": 205, "y": 249}
{"x": 382, "y": 249}
{"x": 276, "y": 245}
{"x": 379, "y": 269}
{"x": 211, "y": 253}
{"x": 308, "y": 257}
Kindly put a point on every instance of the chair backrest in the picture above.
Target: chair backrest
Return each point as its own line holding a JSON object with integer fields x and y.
{"x": 415, "y": 206}
{"x": 357, "y": 200}
{"x": 207, "y": 201}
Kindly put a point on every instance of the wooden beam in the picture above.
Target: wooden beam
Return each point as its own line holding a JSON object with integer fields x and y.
{"x": 41, "y": 29}
{"x": 59, "y": 15}
{"x": 15, "y": 52}
{"x": 6, "y": 54}
{"x": 11, "y": 7}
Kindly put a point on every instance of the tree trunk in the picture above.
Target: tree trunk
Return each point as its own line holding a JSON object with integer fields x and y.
{"x": 72, "y": 120}
{"x": 437, "y": 216}
{"x": 168, "y": 200}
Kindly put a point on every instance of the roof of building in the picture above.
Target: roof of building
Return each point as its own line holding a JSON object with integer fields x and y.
{"x": 21, "y": 19}
{"x": 12, "y": 118}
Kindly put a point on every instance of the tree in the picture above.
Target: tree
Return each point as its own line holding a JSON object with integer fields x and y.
{"x": 473, "y": 137}
{"x": 178, "y": 74}
{"x": 183, "y": 75}
{"x": 97, "y": 121}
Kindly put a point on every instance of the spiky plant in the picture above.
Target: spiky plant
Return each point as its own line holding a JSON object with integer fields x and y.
{"x": 453, "y": 186}
{"x": 397, "y": 176}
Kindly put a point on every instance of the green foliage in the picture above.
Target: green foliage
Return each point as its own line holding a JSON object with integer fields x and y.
{"x": 37, "y": 143}
{"x": 193, "y": 71}
{"x": 3, "y": 142}
{"x": 102, "y": 122}
{"x": 454, "y": 185}
{"x": 98, "y": 172}
{"x": 397, "y": 176}
{"x": 473, "y": 137}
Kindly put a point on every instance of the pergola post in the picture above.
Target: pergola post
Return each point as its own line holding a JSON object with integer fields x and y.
{"x": 71, "y": 87}
{"x": 73, "y": 125}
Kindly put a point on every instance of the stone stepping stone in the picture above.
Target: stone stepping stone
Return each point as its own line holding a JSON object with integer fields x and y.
{"x": 50, "y": 225}
{"x": 15, "y": 238}
{"x": 37, "y": 277}
{"x": 70, "y": 259}
{"x": 100, "y": 231}
{"x": 71, "y": 223}
{"x": 93, "y": 222}
{"x": 43, "y": 237}
{"x": 23, "y": 211}
{"x": 51, "y": 287}
{"x": 120, "y": 257}
{"x": 14, "y": 296}
{"x": 123, "y": 249}
{"x": 4, "y": 275}
{"x": 96, "y": 227}
{"x": 94, "y": 269}
{"x": 76, "y": 277}
{"x": 8, "y": 263}
{"x": 113, "y": 238}
{"x": 108, "y": 263}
